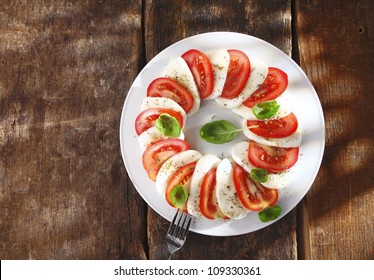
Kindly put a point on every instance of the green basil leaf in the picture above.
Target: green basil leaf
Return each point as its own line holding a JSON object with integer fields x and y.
{"x": 259, "y": 175}
{"x": 218, "y": 132}
{"x": 270, "y": 213}
{"x": 168, "y": 126}
{"x": 179, "y": 196}
{"x": 265, "y": 110}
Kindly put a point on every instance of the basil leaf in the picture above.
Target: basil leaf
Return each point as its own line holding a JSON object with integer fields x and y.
{"x": 259, "y": 175}
{"x": 218, "y": 132}
{"x": 270, "y": 213}
{"x": 168, "y": 126}
{"x": 265, "y": 110}
{"x": 178, "y": 196}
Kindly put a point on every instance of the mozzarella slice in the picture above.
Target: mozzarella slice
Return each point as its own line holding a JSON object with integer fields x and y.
{"x": 239, "y": 153}
{"x": 177, "y": 69}
{"x": 258, "y": 74}
{"x": 227, "y": 197}
{"x": 220, "y": 61}
{"x": 203, "y": 166}
{"x": 152, "y": 135}
{"x": 170, "y": 166}
{"x": 162, "y": 102}
{"x": 293, "y": 140}
{"x": 284, "y": 109}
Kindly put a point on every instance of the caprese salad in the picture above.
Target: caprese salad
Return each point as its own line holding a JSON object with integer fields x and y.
{"x": 206, "y": 185}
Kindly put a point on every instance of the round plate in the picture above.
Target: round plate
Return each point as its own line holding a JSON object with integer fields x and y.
{"x": 306, "y": 107}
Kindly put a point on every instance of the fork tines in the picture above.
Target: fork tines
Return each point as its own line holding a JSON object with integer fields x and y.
{"x": 181, "y": 223}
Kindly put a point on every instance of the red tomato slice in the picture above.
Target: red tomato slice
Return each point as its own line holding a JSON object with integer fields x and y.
{"x": 237, "y": 74}
{"x": 274, "y": 159}
{"x": 202, "y": 71}
{"x": 277, "y": 128}
{"x": 274, "y": 85}
{"x": 208, "y": 202}
{"x": 148, "y": 118}
{"x": 156, "y": 154}
{"x": 181, "y": 177}
{"x": 165, "y": 87}
{"x": 252, "y": 195}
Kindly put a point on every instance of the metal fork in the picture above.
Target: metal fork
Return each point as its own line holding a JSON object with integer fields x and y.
{"x": 177, "y": 232}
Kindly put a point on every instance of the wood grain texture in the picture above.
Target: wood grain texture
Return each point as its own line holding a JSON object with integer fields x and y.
{"x": 271, "y": 22}
{"x": 167, "y": 22}
{"x": 337, "y": 57}
{"x": 65, "y": 70}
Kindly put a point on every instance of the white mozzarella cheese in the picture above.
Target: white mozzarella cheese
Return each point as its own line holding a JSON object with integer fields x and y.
{"x": 259, "y": 71}
{"x": 284, "y": 109}
{"x": 239, "y": 153}
{"x": 171, "y": 165}
{"x": 177, "y": 69}
{"x": 227, "y": 197}
{"x": 293, "y": 140}
{"x": 220, "y": 61}
{"x": 165, "y": 103}
{"x": 152, "y": 135}
{"x": 203, "y": 166}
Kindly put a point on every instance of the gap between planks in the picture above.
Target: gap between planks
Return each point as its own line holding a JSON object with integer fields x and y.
{"x": 302, "y": 215}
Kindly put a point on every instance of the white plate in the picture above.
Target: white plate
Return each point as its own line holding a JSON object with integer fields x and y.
{"x": 306, "y": 107}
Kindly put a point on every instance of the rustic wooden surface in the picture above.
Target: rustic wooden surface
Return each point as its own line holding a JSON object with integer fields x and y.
{"x": 337, "y": 58}
{"x": 65, "y": 69}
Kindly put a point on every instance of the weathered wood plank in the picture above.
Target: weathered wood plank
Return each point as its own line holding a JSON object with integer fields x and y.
{"x": 167, "y": 23}
{"x": 65, "y": 68}
{"x": 337, "y": 56}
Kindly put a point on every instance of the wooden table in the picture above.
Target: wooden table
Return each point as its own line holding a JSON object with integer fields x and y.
{"x": 65, "y": 69}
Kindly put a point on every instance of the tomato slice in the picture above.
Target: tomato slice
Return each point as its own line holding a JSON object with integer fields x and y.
{"x": 274, "y": 159}
{"x": 208, "y": 201}
{"x": 277, "y": 128}
{"x": 181, "y": 177}
{"x": 274, "y": 85}
{"x": 157, "y": 153}
{"x": 252, "y": 195}
{"x": 148, "y": 118}
{"x": 237, "y": 74}
{"x": 202, "y": 71}
{"x": 166, "y": 87}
